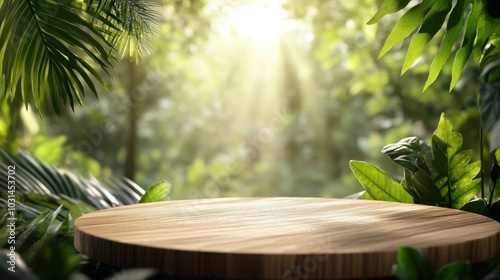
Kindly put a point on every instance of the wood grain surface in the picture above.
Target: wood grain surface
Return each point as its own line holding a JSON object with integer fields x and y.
{"x": 281, "y": 238}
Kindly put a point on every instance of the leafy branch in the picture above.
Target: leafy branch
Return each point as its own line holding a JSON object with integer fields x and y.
{"x": 41, "y": 42}
{"x": 465, "y": 24}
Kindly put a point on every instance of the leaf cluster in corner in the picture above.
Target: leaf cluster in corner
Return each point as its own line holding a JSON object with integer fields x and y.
{"x": 54, "y": 49}
{"x": 465, "y": 24}
{"x": 440, "y": 175}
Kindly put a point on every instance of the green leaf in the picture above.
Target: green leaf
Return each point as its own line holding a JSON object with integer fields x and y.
{"x": 489, "y": 108}
{"x": 408, "y": 152}
{"x": 456, "y": 271}
{"x": 388, "y": 7}
{"x": 485, "y": 27}
{"x": 34, "y": 231}
{"x": 453, "y": 31}
{"x": 467, "y": 45}
{"x": 366, "y": 196}
{"x": 406, "y": 24}
{"x": 451, "y": 170}
{"x": 411, "y": 264}
{"x": 378, "y": 184}
{"x": 42, "y": 43}
{"x": 430, "y": 26}
{"x": 478, "y": 206}
{"x": 495, "y": 137}
{"x": 425, "y": 188}
{"x": 156, "y": 193}
{"x": 408, "y": 185}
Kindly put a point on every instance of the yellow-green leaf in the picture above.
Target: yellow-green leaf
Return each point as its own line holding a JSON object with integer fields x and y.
{"x": 453, "y": 30}
{"x": 388, "y": 7}
{"x": 378, "y": 184}
{"x": 406, "y": 25}
{"x": 156, "y": 193}
{"x": 430, "y": 26}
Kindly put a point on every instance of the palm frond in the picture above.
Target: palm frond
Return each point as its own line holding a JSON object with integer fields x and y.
{"x": 48, "y": 200}
{"x": 38, "y": 42}
{"x": 37, "y": 177}
{"x": 41, "y": 42}
{"x": 130, "y": 25}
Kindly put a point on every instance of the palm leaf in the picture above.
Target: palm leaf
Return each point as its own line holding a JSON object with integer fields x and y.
{"x": 48, "y": 199}
{"x": 36, "y": 176}
{"x": 38, "y": 46}
{"x": 130, "y": 25}
{"x": 41, "y": 42}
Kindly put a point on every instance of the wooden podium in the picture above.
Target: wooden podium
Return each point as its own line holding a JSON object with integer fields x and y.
{"x": 281, "y": 238}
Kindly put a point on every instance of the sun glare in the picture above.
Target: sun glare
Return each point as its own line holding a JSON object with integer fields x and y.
{"x": 260, "y": 21}
{"x": 267, "y": 65}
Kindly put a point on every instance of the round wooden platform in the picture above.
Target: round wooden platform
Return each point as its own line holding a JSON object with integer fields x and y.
{"x": 281, "y": 238}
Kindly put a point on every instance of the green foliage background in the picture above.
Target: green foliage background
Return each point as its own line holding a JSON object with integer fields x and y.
{"x": 335, "y": 102}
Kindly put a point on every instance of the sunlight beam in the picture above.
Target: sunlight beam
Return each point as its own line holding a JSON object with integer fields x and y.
{"x": 260, "y": 22}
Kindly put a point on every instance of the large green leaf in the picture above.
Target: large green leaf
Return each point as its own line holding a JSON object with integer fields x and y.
{"x": 453, "y": 30}
{"x": 452, "y": 171}
{"x": 406, "y": 25}
{"x": 467, "y": 45}
{"x": 378, "y": 184}
{"x": 430, "y": 26}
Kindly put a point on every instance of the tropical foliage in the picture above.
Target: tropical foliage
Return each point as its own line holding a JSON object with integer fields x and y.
{"x": 469, "y": 28}
{"x": 442, "y": 174}
{"x": 469, "y": 24}
{"x": 42, "y": 45}
{"x": 217, "y": 117}
{"x": 199, "y": 95}
{"x": 438, "y": 175}
{"x": 47, "y": 201}
{"x": 412, "y": 264}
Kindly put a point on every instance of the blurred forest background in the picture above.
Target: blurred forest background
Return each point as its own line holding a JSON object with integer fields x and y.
{"x": 251, "y": 98}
